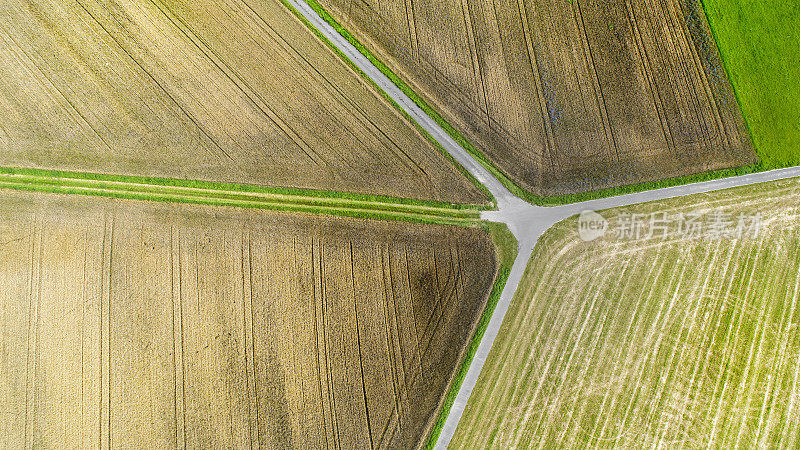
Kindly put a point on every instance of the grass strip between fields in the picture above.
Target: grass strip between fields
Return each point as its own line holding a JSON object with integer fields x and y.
{"x": 180, "y": 191}
{"x": 506, "y": 247}
{"x": 396, "y": 202}
{"x": 510, "y": 184}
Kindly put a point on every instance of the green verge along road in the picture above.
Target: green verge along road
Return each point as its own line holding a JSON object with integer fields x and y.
{"x": 527, "y": 222}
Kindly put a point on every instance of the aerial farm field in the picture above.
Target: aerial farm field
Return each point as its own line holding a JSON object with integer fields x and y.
{"x": 153, "y": 325}
{"x": 663, "y": 341}
{"x": 760, "y": 44}
{"x": 236, "y": 91}
{"x": 565, "y": 97}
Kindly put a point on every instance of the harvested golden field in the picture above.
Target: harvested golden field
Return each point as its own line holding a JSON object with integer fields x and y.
{"x": 565, "y": 96}
{"x": 233, "y": 91}
{"x": 144, "y": 325}
{"x": 676, "y": 338}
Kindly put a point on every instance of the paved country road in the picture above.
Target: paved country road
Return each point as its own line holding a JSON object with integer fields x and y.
{"x": 527, "y": 222}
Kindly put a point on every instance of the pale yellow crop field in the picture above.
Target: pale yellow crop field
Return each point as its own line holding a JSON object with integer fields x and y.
{"x": 653, "y": 342}
{"x": 145, "y": 325}
{"x": 234, "y": 91}
{"x": 565, "y": 96}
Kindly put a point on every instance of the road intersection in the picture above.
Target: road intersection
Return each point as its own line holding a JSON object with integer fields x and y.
{"x": 527, "y": 222}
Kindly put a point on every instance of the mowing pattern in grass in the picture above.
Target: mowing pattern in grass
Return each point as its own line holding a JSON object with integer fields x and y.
{"x": 162, "y": 326}
{"x": 237, "y": 91}
{"x": 565, "y": 97}
{"x": 654, "y": 342}
{"x": 760, "y": 44}
{"x": 205, "y": 193}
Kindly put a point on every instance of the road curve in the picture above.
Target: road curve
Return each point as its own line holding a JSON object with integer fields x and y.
{"x": 527, "y": 222}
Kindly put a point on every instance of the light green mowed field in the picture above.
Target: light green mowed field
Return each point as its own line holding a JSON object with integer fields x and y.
{"x": 652, "y": 342}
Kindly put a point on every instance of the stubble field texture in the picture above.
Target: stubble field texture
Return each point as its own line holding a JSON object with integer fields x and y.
{"x": 565, "y": 97}
{"x": 237, "y": 91}
{"x": 146, "y": 325}
{"x": 655, "y": 342}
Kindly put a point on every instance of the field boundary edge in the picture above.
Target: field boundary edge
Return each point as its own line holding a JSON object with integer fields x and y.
{"x": 506, "y": 249}
{"x": 513, "y": 187}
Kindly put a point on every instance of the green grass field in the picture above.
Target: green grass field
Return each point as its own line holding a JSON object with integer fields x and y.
{"x": 760, "y": 45}
{"x": 659, "y": 342}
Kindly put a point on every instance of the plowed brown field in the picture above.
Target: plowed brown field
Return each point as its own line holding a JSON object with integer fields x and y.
{"x": 234, "y": 91}
{"x": 565, "y": 96}
{"x": 159, "y": 326}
